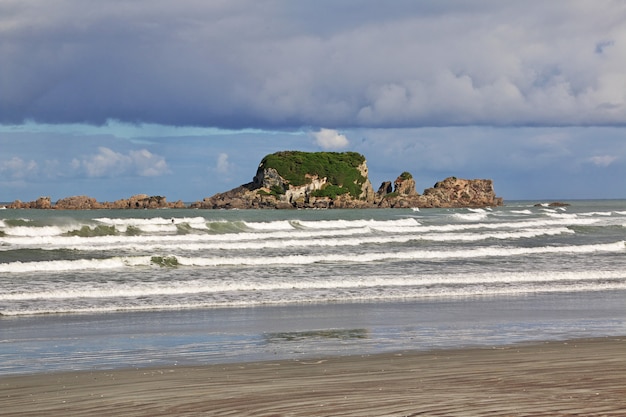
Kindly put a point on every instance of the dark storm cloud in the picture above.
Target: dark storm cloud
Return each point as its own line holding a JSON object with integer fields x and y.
{"x": 284, "y": 64}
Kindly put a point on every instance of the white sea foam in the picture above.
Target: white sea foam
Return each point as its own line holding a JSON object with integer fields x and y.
{"x": 154, "y": 224}
{"x": 47, "y": 242}
{"x": 525, "y": 224}
{"x": 141, "y": 289}
{"x": 471, "y": 217}
{"x": 521, "y": 212}
{"x": 556, "y": 215}
{"x": 271, "y": 226}
{"x": 281, "y": 291}
{"x": 74, "y": 265}
{"x": 400, "y": 230}
{"x": 598, "y": 213}
{"x": 275, "y": 230}
{"x": 349, "y": 224}
{"x": 135, "y": 221}
{"x": 161, "y": 225}
{"x": 130, "y": 261}
{"x": 204, "y": 243}
{"x": 40, "y": 231}
{"x": 408, "y": 255}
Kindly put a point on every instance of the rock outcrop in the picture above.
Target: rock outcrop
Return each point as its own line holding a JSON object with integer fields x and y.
{"x": 449, "y": 193}
{"x": 40, "y": 203}
{"x": 140, "y": 201}
{"x": 385, "y": 188}
{"x": 405, "y": 184}
{"x": 143, "y": 201}
{"x": 77, "y": 203}
{"x": 553, "y": 204}
{"x": 270, "y": 189}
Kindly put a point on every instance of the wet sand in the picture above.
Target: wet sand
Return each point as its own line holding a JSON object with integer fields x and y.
{"x": 573, "y": 378}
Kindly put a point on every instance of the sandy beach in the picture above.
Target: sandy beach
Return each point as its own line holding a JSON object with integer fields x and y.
{"x": 560, "y": 378}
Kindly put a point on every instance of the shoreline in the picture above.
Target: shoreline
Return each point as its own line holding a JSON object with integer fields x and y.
{"x": 48, "y": 343}
{"x": 572, "y": 377}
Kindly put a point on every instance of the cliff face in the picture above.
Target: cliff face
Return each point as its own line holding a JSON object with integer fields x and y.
{"x": 340, "y": 180}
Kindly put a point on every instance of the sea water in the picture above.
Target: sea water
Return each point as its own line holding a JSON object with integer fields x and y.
{"x": 106, "y": 288}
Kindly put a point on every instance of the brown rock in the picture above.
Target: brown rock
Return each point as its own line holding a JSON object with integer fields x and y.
{"x": 553, "y": 204}
{"x": 40, "y": 203}
{"x": 43, "y": 203}
{"x": 140, "y": 201}
{"x": 77, "y": 203}
{"x": 451, "y": 192}
{"x": 405, "y": 184}
{"x": 456, "y": 192}
{"x": 384, "y": 189}
{"x": 177, "y": 204}
{"x": 17, "y": 204}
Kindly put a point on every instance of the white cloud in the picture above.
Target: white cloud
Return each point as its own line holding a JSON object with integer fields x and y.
{"x": 17, "y": 168}
{"x": 147, "y": 164}
{"x": 223, "y": 166}
{"x": 330, "y": 139}
{"x": 108, "y": 163}
{"x": 602, "y": 160}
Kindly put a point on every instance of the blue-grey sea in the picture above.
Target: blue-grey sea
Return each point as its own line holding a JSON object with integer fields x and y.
{"x": 105, "y": 289}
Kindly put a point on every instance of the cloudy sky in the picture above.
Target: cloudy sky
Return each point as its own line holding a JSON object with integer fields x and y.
{"x": 183, "y": 98}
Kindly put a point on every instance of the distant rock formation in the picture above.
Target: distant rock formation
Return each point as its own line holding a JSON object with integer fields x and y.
{"x": 40, "y": 203}
{"x": 553, "y": 204}
{"x": 449, "y": 193}
{"x": 143, "y": 201}
{"x": 140, "y": 201}
{"x": 77, "y": 203}
{"x": 349, "y": 187}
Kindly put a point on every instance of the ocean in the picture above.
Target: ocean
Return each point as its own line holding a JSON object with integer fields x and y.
{"x": 105, "y": 289}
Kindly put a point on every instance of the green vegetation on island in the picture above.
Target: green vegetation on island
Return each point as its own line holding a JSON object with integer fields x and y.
{"x": 339, "y": 168}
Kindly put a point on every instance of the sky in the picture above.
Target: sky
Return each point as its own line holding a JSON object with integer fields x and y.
{"x": 182, "y": 99}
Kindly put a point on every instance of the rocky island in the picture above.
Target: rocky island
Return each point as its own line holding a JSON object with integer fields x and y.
{"x": 294, "y": 179}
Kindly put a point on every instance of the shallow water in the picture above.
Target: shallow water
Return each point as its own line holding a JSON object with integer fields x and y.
{"x": 221, "y": 335}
